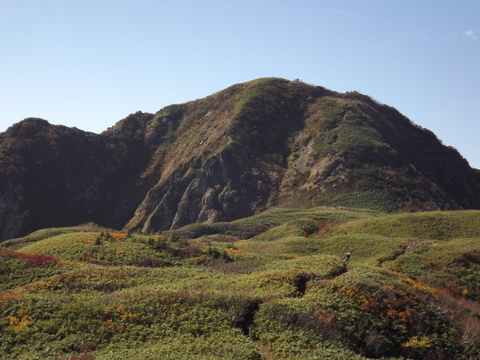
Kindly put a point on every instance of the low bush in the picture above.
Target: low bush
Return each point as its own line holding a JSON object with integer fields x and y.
{"x": 283, "y": 294}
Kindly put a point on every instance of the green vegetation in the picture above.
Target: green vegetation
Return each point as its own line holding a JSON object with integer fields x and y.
{"x": 323, "y": 116}
{"x": 264, "y": 114}
{"x": 257, "y": 89}
{"x": 361, "y": 142}
{"x": 254, "y": 225}
{"x": 434, "y": 225}
{"x": 272, "y": 286}
{"x": 381, "y": 199}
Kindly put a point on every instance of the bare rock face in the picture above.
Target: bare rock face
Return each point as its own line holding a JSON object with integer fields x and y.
{"x": 222, "y": 189}
{"x": 265, "y": 143}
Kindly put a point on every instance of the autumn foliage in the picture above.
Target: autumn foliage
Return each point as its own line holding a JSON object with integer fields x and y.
{"x": 31, "y": 261}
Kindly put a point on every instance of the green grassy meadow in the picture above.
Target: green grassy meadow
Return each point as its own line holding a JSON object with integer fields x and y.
{"x": 271, "y": 286}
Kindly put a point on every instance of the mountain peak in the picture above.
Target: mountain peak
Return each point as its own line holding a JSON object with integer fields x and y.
{"x": 264, "y": 143}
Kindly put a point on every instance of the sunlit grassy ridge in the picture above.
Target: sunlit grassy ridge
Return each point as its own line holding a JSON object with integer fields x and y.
{"x": 428, "y": 225}
{"x": 276, "y": 220}
{"x": 272, "y": 286}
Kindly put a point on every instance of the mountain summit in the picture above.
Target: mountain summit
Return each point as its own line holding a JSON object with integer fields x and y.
{"x": 265, "y": 143}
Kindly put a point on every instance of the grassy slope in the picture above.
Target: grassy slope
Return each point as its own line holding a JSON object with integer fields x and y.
{"x": 272, "y": 286}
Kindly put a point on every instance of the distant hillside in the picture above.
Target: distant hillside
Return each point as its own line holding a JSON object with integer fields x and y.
{"x": 265, "y": 143}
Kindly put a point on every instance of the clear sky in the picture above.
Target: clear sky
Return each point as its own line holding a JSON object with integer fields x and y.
{"x": 90, "y": 63}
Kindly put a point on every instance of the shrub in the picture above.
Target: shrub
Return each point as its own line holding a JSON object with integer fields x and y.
{"x": 31, "y": 260}
{"x": 284, "y": 294}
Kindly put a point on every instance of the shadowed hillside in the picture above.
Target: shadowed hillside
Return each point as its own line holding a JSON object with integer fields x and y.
{"x": 265, "y": 143}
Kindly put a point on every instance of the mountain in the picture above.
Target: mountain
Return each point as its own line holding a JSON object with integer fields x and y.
{"x": 265, "y": 143}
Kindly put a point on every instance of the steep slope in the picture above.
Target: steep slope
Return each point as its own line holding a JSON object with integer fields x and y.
{"x": 272, "y": 142}
{"x": 229, "y": 155}
{"x": 268, "y": 142}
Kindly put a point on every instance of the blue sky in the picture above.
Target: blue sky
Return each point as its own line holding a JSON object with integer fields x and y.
{"x": 89, "y": 64}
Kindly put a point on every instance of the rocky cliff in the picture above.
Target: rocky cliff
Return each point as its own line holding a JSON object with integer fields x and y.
{"x": 255, "y": 145}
